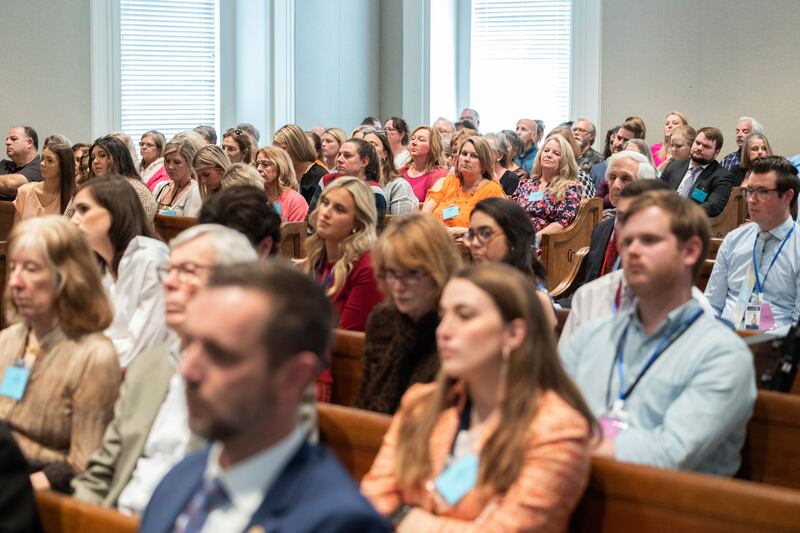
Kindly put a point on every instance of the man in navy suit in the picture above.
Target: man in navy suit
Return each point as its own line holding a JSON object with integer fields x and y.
{"x": 256, "y": 338}
{"x": 700, "y": 178}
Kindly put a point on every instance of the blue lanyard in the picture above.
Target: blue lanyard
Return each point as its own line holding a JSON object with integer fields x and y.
{"x": 760, "y": 284}
{"x": 665, "y": 343}
{"x": 326, "y": 281}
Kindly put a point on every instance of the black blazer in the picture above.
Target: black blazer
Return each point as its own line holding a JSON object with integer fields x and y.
{"x": 17, "y": 506}
{"x": 601, "y": 235}
{"x": 714, "y": 180}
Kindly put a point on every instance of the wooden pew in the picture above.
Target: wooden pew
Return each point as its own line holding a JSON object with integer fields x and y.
{"x": 705, "y": 274}
{"x": 3, "y": 281}
{"x": 7, "y": 212}
{"x": 347, "y": 355}
{"x": 716, "y": 242}
{"x": 732, "y": 216}
{"x": 293, "y": 240}
{"x": 772, "y": 451}
{"x": 559, "y": 249}
{"x": 169, "y": 226}
{"x": 620, "y": 497}
{"x": 62, "y": 514}
{"x": 576, "y": 273}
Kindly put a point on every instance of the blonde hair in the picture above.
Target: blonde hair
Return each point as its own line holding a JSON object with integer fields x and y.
{"x": 241, "y": 174}
{"x": 287, "y": 179}
{"x": 187, "y": 146}
{"x": 484, "y": 157}
{"x": 297, "y": 145}
{"x": 664, "y": 150}
{"x": 81, "y": 303}
{"x": 337, "y": 133}
{"x": 354, "y": 245}
{"x": 436, "y": 153}
{"x": 532, "y": 370}
{"x": 417, "y": 242}
{"x": 567, "y": 175}
{"x": 209, "y": 157}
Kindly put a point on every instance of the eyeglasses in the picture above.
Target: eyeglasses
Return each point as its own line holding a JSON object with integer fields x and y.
{"x": 187, "y": 272}
{"x": 409, "y": 278}
{"x": 482, "y": 234}
{"x": 146, "y": 145}
{"x": 266, "y": 163}
{"x": 759, "y": 193}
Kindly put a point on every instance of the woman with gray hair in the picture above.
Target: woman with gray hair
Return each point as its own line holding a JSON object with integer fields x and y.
{"x": 151, "y": 167}
{"x": 501, "y": 149}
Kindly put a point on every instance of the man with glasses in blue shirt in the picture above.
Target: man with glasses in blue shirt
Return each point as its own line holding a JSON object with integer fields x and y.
{"x": 756, "y": 278}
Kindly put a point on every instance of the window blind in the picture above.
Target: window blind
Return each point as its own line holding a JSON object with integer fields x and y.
{"x": 520, "y": 61}
{"x": 168, "y": 65}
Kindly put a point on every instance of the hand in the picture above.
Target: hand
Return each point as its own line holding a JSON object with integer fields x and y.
{"x": 457, "y": 234}
{"x": 40, "y": 481}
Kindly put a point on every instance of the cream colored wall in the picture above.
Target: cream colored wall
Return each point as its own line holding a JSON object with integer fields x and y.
{"x": 712, "y": 59}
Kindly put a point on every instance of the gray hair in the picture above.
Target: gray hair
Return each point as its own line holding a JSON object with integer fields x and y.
{"x": 230, "y": 246}
{"x": 757, "y": 126}
{"x": 646, "y": 170}
{"x": 503, "y": 145}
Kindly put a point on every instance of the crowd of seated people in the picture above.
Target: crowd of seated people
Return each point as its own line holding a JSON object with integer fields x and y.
{"x": 177, "y": 382}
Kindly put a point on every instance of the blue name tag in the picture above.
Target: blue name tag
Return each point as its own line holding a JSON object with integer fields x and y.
{"x": 277, "y": 207}
{"x": 450, "y": 212}
{"x": 536, "y": 196}
{"x": 458, "y": 479}
{"x": 699, "y": 196}
{"x": 14, "y": 382}
{"x": 168, "y": 213}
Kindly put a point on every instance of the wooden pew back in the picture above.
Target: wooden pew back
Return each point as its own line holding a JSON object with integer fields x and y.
{"x": 354, "y": 435}
{"x": 3, "y": 281}
{"x": 733, "y": 215}
{"x": 7, "y": 213}
{"x": 558, "y": 249}
{"x": 293, "y": 240}
{"x": 346, "y": 361}
{"x": 705, "y": 274}
{"x": 169, "y": 226}
{"x": 62, "y": 514}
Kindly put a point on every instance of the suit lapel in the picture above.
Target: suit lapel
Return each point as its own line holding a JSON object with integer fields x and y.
{"x": 680, "y": 172}
{"x": 704, "y": 177}
{"x": 283, "y": 492}
{"x": 184, "y": 489}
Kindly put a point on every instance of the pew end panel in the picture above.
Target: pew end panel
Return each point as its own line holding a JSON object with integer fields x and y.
{"x": 354, "y": 435}
{"x": 732, "y": 216}
{"x": 293, "y": 240}
{"x": 62, "y": 514}
{"x": 705, "y": 274}
{"x": 559, "y": 249}
{"x": 7, "y": 214}
{"x": 576, "y": 273}
{"x": 347, "y": 356}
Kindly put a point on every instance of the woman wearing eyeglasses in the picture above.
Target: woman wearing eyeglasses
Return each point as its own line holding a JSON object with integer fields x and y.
{"x": 280, "y": 184}
{"x": 501, "y": 232}
{"x": 151, "y": 167}
{"x": 239, "y": 145}
{"x": 413, "y": 258}
{"x": 400, "y": 197}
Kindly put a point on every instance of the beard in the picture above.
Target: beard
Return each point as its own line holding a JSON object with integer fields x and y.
{"x": 700, "y": 160}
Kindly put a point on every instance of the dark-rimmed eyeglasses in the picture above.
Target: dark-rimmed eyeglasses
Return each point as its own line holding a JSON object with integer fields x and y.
{"x": 409, "y": 278}
{"x": 759, "y": 193}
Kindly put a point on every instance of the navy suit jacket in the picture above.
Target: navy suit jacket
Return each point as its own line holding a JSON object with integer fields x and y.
{"x": 714, "y": 180}
{"x": 313, "y": 493}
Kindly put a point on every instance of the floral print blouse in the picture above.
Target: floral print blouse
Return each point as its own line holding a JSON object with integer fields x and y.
{"x": 542, "y": 208}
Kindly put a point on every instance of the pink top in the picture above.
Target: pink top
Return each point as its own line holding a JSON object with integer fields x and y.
{"x": 28, "y": 205}
{"x": 422, "y": 183}
{"x": 159, "y": 176}
{"x": 293, "y": 207}
{"x": 657, "y": 158}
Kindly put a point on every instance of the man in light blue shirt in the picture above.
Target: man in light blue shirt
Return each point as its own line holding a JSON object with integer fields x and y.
{"x": 671, "y": 385}
{"x": 761, "y": 261}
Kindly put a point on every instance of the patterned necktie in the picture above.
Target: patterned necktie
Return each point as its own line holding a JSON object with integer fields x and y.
{"x": 612, "y": 252}
{"x": 689, "y": 182}
{"x": 210, "y": 496}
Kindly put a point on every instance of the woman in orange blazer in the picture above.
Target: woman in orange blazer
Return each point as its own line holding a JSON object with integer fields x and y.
{"x": 508, "y": 433}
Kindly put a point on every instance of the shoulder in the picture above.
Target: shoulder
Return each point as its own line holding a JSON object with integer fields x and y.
{"x": 747, "y": 231}
{"x": 491, "y": 188}
{"x": 27, "y": 189}
{"x": 415, "y": 394}
{"x": 555, "y": 418}
{"x": 438, "y": 172}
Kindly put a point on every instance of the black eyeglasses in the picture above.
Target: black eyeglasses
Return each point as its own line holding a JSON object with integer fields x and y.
{"x": 481, "y": 234}
{"x": 759, "y": 193}
{"x": 186, "y": 271}
{"x": 409, "y": 278}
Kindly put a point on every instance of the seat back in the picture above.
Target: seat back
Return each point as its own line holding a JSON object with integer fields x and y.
{"x": 169, "y": 226}
{"x": 347, "y": 356}
{"x": 7, "y": 213}
{"x": 732, "y": 216}
{"x": 558, "y": 249}
{"x": 62, "y": 514}
{"x": 293, "y": 240}
{"x": 705, "y": 274}
{"x": 354, "y": 435}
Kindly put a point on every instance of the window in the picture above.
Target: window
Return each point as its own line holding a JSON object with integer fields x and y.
{"x": 520, "y": 61}
{"x": 169, "y": 65}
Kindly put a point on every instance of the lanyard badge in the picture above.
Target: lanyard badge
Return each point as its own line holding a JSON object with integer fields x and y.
{"x": 15, "y": 380}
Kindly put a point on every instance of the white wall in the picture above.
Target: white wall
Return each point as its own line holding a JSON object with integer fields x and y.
{"x": 46, "y": 81}
{"x": 715, "y": 60}
{"x": 337, "y": 53}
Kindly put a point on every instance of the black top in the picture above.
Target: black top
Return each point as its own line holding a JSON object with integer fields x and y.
{"x": 17, "y": 505}
{"x": 32, "y": 171}
{"x": 509, "y": 182}
{"x": 309, "y": 180}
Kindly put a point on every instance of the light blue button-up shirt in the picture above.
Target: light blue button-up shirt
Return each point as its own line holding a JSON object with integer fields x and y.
{"x": 735, "y": 258}
{"x": 690, "y": 410}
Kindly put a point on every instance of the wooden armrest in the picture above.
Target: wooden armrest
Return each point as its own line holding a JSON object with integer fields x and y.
{"x": 569, "y": 284}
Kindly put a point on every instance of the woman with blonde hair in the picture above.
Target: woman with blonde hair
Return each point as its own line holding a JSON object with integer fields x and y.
{"x": 292, "y": 139}
{"x": 210, "y": 163}
{"x": 280, "y": 184}
{"x": 552, "y": 194}
{"x": 239, "y": 145}
{"x": 56, "y": 300}
{"x": 241, "y": 174}
{"x": 588, "y": 188}
{"x": 501, "y": 441}
{"x": 679, "y": 146}
{"x": 180, "y": 195}
{"x": 426, "y": 162}
{"x": 414, "y": 258}
{"x": 660, "y": 151}
{"x": 453, "y": 197}
{"x": 331, "y": 139}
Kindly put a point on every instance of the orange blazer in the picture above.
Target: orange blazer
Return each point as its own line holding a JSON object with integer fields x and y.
{"x": 554, "y": 474}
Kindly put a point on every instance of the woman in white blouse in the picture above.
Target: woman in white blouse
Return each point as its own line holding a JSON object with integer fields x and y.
{"x": 179, "y": 195}
{"x": 113, "y": 221}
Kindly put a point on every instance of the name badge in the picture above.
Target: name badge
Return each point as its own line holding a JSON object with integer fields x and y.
{"x": 752, "y": 313}
{"x": 458, "y": 479}
{"x": 699, "y": 196}
{"x": 450, "y": 212}
{"x": 169, "y": 213}
{"x": 14, "y": 382}
{"x": 277, "y": 207}
{"x": 536, "y": 196}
